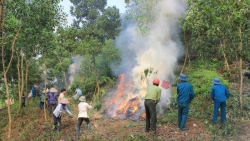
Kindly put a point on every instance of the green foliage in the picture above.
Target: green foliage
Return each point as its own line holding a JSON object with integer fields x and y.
{"x": 140, "y": 11}
{"x": 202, "y": 82}
{"x": 217, "y": 28}
{"x": 226, "y": 129}
{"x": 97, "y": 103}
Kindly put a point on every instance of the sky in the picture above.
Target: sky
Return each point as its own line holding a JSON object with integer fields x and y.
{"x": 66, "y": 6}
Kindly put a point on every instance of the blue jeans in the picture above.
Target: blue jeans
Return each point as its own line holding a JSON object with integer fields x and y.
{"x": 182, "y": 115}
{"x": 222, "y": 106}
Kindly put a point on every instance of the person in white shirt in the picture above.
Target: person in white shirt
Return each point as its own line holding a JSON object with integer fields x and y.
{"x": 83, "y": 107}
{"x": 58, "y": 113}
{"x": 78, "y": 93}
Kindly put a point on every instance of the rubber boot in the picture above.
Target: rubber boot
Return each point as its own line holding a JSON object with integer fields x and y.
{"x": 77, "y": 132}
{"x": 89, "y": 128}
{"x": 58, "y": 127}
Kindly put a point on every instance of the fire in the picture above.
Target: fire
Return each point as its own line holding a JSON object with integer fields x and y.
{"x": 124, "y": 103}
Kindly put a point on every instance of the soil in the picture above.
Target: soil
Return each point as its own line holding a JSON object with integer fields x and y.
{"x": 30, "y": 125}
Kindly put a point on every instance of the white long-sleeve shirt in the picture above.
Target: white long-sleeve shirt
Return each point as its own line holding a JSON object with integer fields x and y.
{"x": 59, "y": 108}
{"x": 83, "y": 107}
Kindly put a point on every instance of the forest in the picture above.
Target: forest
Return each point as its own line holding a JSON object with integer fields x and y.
{"x": 113, "y": 57}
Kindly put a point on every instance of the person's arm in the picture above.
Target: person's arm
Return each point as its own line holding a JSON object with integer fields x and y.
{"x": 159, "y": 96}
{"x": 67, "y": 110}
{"x": 212, "y": 94}
{"x": 177, "y": 89}
{"x": 89, "y": 106}
{"x": 191, "y": 93}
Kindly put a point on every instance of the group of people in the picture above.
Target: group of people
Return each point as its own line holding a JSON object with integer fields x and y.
{"x": 219, "y": 95}
{"x": 58, "y": 103}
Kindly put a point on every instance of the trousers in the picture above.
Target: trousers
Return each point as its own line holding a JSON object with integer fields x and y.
{"x": 150, "y": 108}
{"x": 183, "y": 110}
{"x": 222, "y": 106}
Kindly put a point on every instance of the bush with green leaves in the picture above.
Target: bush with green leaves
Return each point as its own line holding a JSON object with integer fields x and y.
{"x": 202, "y": 82}
{"x": 201, "y": 79}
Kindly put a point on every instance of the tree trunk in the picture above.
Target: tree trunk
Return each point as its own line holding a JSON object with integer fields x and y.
{"x": 223, "y": 44}
{"x": 241, "y": 82}
{"x": 65, "y": 79}
{"x": 45, "y": 89}
{"x": 96, "y": 76}
{"x": 19, "y": 83}
{"x": 241, "y": 72}
{"x": 186, "y": 56}
{"x": 27, "y": 70}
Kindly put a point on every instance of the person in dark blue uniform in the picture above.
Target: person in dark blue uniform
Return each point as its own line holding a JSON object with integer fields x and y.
{"x": 185, "y": 94}
{"x": 219, "y": 94}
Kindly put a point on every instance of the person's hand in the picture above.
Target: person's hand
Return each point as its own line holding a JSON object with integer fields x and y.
{"x": 69, "y": 99}
{"x": 91, "y": 103}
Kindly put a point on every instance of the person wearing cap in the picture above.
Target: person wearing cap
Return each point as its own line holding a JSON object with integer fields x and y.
{"x": 219, "y": 94}
{"x": 185, "y": 94}
{"x": 152, "y": 97}
{"x": 83, "y": 107}
{"x": 57, "y": 113}
{"x": 52, "y": 99}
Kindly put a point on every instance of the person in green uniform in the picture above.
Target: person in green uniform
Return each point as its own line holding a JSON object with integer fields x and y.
{"x": 152, "y": 98}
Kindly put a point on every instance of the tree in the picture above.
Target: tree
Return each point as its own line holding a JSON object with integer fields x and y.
{"x": 219, "y": 29}
{"x": 96, "y": 24}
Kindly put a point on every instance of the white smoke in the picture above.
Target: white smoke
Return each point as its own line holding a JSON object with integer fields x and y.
{"x": 74, "y": 68}
{"x": 159, "y": 50}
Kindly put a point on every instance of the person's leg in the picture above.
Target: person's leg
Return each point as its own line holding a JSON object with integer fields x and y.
{"x": 88, "y": 124}
{"x": 223, "y": 112}
{"x": 147, "y": 116}
{"x": 215, "y": 115}
{"x": 59, "y": 123}
{"x": 179, "y": 114}
{"x": 55, "y": 122}
{"x": 50, "y": 108}
{"x": 152, "y": 111}
{"x": 53, "y": 107}
{"x": 79, "y": 123}
{"x": 42, "y": 104}
{"x": 184, "y": 116}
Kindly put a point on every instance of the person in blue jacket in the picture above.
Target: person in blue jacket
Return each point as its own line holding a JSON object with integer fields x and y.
{"x": 33, "y": 92}
{"x": 219, "y": 94}
{"x": 185, "y": 94}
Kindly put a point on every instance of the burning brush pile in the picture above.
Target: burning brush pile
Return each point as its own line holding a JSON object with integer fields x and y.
{"x": 125, "y": 103}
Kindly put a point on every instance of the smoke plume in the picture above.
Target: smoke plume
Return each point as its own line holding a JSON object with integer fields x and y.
{"x": 74, "y": 68}
{"x": 154, "y": 55}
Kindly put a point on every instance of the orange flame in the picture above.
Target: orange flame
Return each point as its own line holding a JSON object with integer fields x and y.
{"x": 122, "y": 104}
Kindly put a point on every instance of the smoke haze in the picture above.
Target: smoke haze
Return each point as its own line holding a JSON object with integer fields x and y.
{"x": 158, "y": 51}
